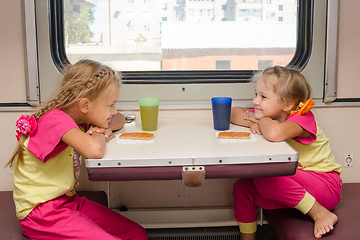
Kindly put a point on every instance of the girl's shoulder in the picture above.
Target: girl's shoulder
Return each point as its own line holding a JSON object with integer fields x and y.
{"x": 309, "y": 117}
{"x": 55, "y": 117}
{"x": 51, "y": 126}
{"x": 55, "y": 120}
{"x": 307, "y": 122}
{"x": 54, "y": 113}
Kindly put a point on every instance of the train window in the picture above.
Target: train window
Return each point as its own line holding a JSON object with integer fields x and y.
{"x": 182, "y": 51}
{"x": 179, "y": 38}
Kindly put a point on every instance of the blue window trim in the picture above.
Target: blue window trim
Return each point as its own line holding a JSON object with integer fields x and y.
{"x": 299, "y": 61}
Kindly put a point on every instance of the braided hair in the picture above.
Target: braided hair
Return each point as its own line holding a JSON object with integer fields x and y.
{"x": 84, "y": 79}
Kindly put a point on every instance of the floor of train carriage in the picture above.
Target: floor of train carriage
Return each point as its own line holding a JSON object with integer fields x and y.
{"x": 211, "y": 233}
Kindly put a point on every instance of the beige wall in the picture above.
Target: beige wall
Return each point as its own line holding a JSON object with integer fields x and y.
{"x": 340, "y": 123}
{"x": 348, "y": 53}
{"x": 12, "y": 52}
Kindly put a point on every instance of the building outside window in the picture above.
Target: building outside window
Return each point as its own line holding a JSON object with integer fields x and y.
{"x": 223, "y": 65}
{"x": 185, "y": 35}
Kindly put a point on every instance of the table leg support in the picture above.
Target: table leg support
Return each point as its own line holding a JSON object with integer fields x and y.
{"x": 193, "y": 176}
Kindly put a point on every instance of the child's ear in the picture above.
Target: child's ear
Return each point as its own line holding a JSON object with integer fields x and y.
{"x": 83, "y": 105}
{"x": 288, "y": 106}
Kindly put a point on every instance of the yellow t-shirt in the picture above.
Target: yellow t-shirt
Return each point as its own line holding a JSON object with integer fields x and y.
{"x": 47, "y": 168}
{"x": 315, "y": 153}
{"x": 36, "y": 182}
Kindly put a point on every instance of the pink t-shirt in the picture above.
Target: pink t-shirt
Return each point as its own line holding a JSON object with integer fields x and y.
{"x": 307, "y": 122}
{"x": 46, "y": 141}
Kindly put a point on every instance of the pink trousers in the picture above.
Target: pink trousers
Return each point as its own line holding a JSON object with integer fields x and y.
{"x": 78, "y": 218}
{"x": 284, "y": 192}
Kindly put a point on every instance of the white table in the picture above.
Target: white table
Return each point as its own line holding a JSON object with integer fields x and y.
{"x": 185, "y": 144}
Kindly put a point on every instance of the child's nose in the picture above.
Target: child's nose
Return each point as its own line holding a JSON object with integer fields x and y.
{"x": 113, "y": 111}
{"x": 256, "y": 100}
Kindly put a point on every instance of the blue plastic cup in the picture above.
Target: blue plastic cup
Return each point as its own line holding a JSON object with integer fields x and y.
{"x": 221, "y": 108}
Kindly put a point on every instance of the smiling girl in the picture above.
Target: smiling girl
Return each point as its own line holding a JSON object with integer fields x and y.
{"x": 282, "y": 112}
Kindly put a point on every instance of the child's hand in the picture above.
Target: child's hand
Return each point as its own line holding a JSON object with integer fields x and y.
{"x": 106, "y": 132}
{"x": 250, "y": 116}
{"x": 255, "y": 128}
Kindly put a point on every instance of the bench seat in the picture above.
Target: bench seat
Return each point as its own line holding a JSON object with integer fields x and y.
{"x": 292, "y": 224}
{"x": 9, "y": 223}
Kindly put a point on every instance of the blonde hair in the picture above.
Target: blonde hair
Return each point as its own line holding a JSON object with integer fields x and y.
{"x": 289, "y": 84}
{"x": 84, "y": 79}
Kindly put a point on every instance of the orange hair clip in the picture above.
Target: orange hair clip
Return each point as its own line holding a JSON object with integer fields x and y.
{"x": 304, "y": 107}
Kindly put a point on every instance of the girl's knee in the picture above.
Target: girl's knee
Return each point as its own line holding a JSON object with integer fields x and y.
{"x": 269, "y": 188}
{"x": 142, "y": 234}
{"x": 268, "y": 184}
{"x": 238, "y": 187}
{"x": 138, "y": 233}
{"x": 241, "y": 184}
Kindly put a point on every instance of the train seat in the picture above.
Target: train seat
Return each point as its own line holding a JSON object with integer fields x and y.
{"x": 9, "y": 224}
{"x": 292, "y": 224}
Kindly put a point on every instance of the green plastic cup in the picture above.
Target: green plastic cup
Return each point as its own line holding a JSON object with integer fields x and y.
{"x": 149, "y": 111}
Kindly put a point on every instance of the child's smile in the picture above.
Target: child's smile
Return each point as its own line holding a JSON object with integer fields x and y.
{"x": 266, "y": 102}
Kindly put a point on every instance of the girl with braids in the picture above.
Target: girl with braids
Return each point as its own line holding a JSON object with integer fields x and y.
{"x": 282, "y": 112}
{"x": 76, "y": 122}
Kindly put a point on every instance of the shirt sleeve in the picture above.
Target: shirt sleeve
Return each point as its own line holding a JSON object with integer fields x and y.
{"x": 46, "y": 141}
{"x": 307, "y": 122}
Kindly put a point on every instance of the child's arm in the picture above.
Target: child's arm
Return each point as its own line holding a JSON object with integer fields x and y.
{"x": 237, "y": 118}
{"x": 276, "y": 131}
{"x": 117, "y": 122}
{"x": 92, "y": 144}
{"x": 89, "y": 146}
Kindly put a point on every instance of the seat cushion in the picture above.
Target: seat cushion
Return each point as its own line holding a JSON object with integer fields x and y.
{"x": 292, "y": 224}
{"x": 9, "y": 223}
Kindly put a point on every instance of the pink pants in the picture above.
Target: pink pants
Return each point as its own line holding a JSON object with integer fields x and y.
{"x": 284, "y": 192}
{"x": 78, "y": 218}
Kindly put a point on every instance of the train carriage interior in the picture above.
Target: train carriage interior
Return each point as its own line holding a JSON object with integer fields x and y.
{"x": 186, "y": 52}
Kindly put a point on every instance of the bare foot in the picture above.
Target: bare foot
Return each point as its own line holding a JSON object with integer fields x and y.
{"x": 323, "y": 218}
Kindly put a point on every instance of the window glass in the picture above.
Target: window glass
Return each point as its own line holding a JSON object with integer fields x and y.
{"x": 181, "y": 35}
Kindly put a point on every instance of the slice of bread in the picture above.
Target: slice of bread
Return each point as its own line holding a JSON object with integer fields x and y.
{"x": 234, "y": 135}
{"x": 137, "y": 136}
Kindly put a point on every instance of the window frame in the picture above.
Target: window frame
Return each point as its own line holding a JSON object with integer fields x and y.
{"x": 299, "y": 61}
